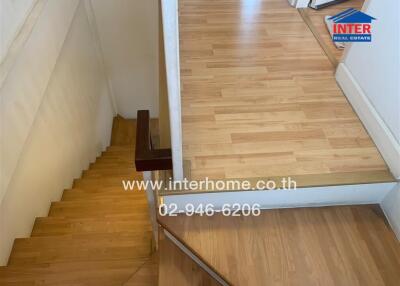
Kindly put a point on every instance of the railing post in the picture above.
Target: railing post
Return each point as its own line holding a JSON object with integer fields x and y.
{"x": 152, "y": 201}
{"x": 147, "y": 160}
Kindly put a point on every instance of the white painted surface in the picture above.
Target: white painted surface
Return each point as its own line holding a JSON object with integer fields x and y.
{"x": 391, "y": 207}
{"x": 56, "y": 117}
{"x": 20, "y": 39}
{"x": 22, "y": 91}
{"x": 128, "y": 32}
{"x": 171, "y": 46}
{"x": 12, "y": 16}
{"x": 376, "y": 66}
{"x": 299, "y": 3}
{"x": 377, "y": 128}
{"x": 315, "y": 3}
{"x": 370, "y": 78}
{"x": 302, "y": 197}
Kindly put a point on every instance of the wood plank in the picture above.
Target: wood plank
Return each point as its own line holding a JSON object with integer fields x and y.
{"x": 255, "y": 82}
{"x": 147, "y": 274}
{"x": 176, "y": 268}
{"x": 349, "y": 245}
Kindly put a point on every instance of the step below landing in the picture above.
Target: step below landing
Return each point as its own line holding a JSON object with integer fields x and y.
{"x": 341, "y": 245}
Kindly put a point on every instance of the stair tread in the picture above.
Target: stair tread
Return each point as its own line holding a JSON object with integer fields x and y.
{"x": 99, "y": 182}
{"x": 48, "y": 226}
{"x": 94, "y": 272}
{"x": 92, "y": 196}
{"x": 81, "y": 247}
{"x": 351, "y": 245}
{"x": 97, "y": 208}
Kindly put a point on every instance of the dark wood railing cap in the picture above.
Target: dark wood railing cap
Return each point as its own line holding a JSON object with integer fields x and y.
{"x": 147, "y": 158}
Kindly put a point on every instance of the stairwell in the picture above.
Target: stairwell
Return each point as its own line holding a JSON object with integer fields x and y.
{"x": 98, "y": 234}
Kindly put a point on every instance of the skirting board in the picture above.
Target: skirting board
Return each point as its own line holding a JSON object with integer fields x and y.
{"x": 273, "y": 199}
{"x": 390, "y": 207}
{"x": 376, "y": 127}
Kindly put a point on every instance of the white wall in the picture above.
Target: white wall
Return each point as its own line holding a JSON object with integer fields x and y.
{"x": 370, "y": 77}
{"x": 391, "y": 207}
{"x": 376, "y": 66}
{"x": 12, "y": 16}
{"x": 129, "y": 38}
{"x": 56, "y": 116}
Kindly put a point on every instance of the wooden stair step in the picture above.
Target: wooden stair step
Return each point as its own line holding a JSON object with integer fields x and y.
{"x": 97, "y": 208}
{"x": 130, "y": 147}
{"x": 129, "y": 152}
{"x": 93, "y": 174}
{"x": 110, "y": 159}
{"x": 77, "y": 273}
{"x": 102, "y": 193}
{"x": 106, "y": 190}
{"x": 101, "y": 182}
{"x": 80, "y": 247}
{"x": 50, "y": 226}
{"x": 107, "y": 165}
{"x": 118, "y": 154}
{"x": 131, "y": 172}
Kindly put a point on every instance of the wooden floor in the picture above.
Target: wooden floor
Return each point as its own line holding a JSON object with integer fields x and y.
{"x": 98, "y": 234}
{"x": 316, "y": 21}
{"x": 176, "y": 268}
{"x": 147, "y": 275}
{"x": 349, "y": 245}
{"x": 259, "y": 99}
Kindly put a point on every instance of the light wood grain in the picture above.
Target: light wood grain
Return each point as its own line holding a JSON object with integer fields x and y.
{"x": 146, "y": 275}
{"x": 315, "y": 20}
{"x": 350, "y": 245}
{"x": 176, "y": 268}
{"x": 259, "y": 98}
{"x": 98, "y": 234}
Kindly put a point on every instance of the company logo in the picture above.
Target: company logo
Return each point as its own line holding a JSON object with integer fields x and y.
{"x": 352, "y": 26}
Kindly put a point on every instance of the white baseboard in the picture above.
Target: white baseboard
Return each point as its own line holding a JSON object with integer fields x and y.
{"x": 390, "y": 207}
{"x": 376, "y": 127}
{"x": 302, "y": 197}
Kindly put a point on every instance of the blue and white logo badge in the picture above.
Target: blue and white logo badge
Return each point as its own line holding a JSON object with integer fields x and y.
{"x": 352, "y": 25}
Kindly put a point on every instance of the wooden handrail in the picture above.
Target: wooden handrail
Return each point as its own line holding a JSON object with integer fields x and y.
{"x": 147, "y": 158}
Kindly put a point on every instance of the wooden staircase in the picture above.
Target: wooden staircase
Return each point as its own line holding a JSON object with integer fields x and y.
{"x": 98, "y": 234}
